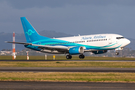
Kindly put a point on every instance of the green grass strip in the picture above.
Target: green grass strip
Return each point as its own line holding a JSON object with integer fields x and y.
{"x": 68, "y": 64}
{"x": 67, "y": 77}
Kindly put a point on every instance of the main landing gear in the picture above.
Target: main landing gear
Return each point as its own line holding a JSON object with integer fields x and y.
{"x": 80, "y": 56}
{"x": 68, "y": 56}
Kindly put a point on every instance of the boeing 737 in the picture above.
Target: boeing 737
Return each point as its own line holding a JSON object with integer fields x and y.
{"x": 76, "y": 45}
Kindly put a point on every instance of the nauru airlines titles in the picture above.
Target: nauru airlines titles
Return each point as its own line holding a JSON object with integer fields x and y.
{"x": 77, "y": 45}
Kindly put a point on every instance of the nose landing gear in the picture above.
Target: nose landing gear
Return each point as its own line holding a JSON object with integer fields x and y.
{"x": 116, "y": 53}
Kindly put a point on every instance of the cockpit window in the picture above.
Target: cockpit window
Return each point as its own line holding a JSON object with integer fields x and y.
{"x": 119, "y": 37}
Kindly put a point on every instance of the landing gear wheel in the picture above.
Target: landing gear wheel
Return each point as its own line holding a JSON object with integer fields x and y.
{"x": 68, "y": 56}
{"x": 117, "y": 53}
{"x": 81, "y": 56}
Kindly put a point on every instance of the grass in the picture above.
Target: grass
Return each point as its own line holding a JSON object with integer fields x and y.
{"x": 64, "y": 58}
{"x": 67, "y": 77}
{"x": 68, "y": 64}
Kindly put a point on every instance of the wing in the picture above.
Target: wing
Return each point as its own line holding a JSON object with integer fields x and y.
{"x": 58, "y": 48}
{"x": 19, "y": 43}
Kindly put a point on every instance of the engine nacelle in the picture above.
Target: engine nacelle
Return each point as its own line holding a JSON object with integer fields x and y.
{"x": 99, "y": 52}
{"x": 76, "y": 50}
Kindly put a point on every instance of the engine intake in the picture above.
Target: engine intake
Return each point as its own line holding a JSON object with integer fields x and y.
{"x": 76, "y": 50}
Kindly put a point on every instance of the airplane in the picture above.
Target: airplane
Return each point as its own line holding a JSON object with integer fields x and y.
{"x": 76, "y": 45}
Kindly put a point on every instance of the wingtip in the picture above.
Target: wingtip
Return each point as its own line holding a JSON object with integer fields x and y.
{"x": 6, "y": 41}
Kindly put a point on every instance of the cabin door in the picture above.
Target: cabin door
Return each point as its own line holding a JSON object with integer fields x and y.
{"x": 110, "y": 40}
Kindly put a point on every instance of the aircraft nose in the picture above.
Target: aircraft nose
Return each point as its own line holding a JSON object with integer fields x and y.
{"x": 127, "y": 41}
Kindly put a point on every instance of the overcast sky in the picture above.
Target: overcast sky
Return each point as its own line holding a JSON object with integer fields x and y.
{"x": 70, "y": 16}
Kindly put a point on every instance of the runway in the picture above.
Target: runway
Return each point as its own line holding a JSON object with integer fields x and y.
{"x": 69, "y": 60}
{"x": 64, "y": 69}
{"x": 65, "y": 86}
{"x": 25, "y": 85}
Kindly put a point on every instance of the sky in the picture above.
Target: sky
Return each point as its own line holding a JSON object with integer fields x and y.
{"x": 73, "y": 17}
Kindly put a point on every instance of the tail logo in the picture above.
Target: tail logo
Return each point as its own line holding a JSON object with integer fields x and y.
{"x": 30, "y": 32}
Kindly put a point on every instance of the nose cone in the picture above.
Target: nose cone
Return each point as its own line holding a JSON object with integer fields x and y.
{"x": 127, "y": 42}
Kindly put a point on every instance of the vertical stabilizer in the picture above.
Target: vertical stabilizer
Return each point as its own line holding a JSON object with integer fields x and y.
{"x": 30, "y": 33}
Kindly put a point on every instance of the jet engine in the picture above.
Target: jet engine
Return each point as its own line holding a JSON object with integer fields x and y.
{"x": 76, "y": 50}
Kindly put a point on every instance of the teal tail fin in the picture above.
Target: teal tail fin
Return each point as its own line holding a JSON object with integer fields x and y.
{"x": 30, "y": 33}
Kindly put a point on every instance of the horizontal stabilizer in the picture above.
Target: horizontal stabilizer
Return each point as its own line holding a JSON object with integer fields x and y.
{"x": 19, "y": 43}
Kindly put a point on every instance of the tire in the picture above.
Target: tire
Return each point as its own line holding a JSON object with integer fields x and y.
{"x": 81, "y": 56}
{"x": 117, "y": 53}
{"x": 68, "y": 56}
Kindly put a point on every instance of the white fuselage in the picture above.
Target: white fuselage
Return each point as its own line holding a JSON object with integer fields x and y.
{"x": 110, "y": 41}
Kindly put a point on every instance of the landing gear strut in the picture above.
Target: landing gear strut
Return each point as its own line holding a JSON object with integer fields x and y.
{"x": 81, "y": 56}
{"x": 117, "y": 53}
{"x": 68, "y": 56}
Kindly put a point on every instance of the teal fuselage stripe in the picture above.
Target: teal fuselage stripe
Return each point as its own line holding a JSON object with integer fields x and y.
{"x": 56, "y": 42}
